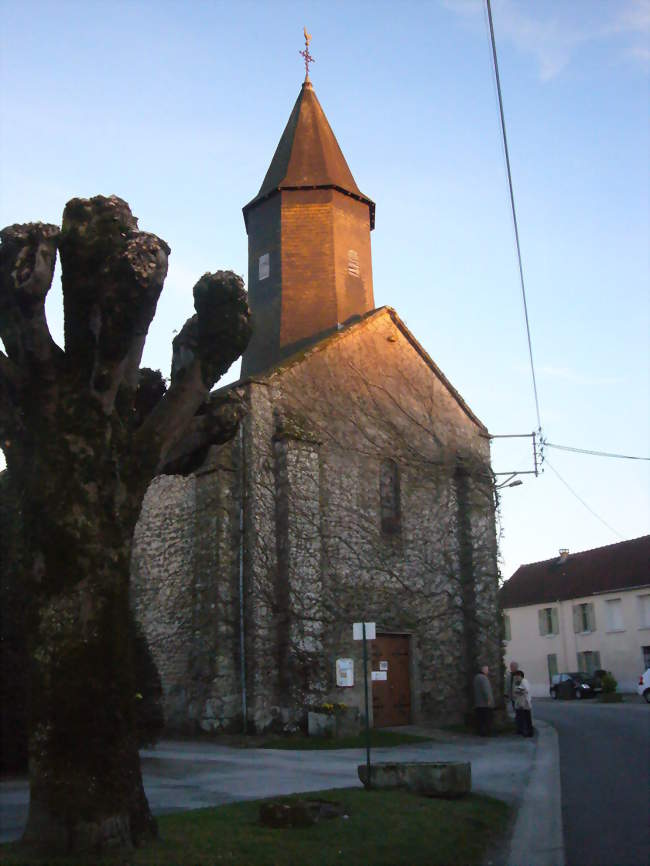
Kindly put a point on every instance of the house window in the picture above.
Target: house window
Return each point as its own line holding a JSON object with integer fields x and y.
{"x": 588, "y": 662}
{"x": 551, "y": 664}
{"x": 644, "y": 610}
{"x": 645, "y": 650}
{"x": 389, "y": 497}
{"x": 548, "y": 622}
{"x": 583, "y": 618}
{"x": 264, "y": 266}
{"x": 614, "y": 615}
{"x": 353, "y": 263}
{"x": 506, "y": 627}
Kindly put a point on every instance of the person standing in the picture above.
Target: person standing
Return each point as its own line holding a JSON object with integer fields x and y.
{"x": 483, "y": 701}
{"x": 523, "y": 706}
{"x": 510, "y": 698}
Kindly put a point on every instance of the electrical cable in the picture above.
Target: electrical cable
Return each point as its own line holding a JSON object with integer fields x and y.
{"x": 581, "y": 500}
{"x": 514, "y": 212}
{"x": 594, "y": 453}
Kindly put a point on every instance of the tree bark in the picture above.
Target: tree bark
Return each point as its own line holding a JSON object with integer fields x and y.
{"x": 83, "y": 433}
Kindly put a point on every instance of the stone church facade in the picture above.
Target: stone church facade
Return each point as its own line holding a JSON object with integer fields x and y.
{"x": 358, "y": 488}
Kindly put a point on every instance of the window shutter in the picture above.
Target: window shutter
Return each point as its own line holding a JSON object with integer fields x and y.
{"x": 555, "y": 628}
{"x": 591, "y": 617}
{"x": 597, "y": 661}
{"x": 577, "y": 619}
{"x": 581, "y": 662}
{"x": 541, "y": 615}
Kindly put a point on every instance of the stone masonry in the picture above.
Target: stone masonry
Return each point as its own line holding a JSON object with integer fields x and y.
{"x": 316, "y": 551}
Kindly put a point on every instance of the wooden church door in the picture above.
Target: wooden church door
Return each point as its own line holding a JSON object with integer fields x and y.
{"x": 391, "y": 697}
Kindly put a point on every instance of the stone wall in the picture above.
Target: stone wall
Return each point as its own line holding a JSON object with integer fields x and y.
{"x": 334, "y": 417}
{"x": 316, "y": 554}
{"x": 185, "y": 586}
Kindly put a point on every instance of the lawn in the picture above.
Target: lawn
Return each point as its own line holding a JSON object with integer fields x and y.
{"x": 378, "y": 738}
{"x": 383, "y": 828}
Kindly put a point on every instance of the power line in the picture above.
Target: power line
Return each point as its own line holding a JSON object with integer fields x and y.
{"x": 594, "y": 453}
{"x": 581, "y": 500}
{"x": 514, "y": 212}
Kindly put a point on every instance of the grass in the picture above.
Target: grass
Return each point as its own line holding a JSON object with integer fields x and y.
{"x": 378, "y": 739}
{"x": 384, "y": 828}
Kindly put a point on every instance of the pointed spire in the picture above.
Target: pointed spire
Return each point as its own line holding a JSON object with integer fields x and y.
{"x": 308, "y": 156}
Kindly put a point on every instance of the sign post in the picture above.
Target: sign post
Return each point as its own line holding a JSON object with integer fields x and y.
{"x": 365, "y": 631}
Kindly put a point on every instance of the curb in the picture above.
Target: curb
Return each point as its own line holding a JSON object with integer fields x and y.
{"x": 538, "y": 838}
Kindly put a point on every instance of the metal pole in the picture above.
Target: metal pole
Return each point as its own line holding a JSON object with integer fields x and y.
{"x": 242, "y": 621}
{"x": 365, "y": 678}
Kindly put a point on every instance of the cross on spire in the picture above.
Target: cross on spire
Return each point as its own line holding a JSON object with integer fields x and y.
{"x": 308, "y": 58}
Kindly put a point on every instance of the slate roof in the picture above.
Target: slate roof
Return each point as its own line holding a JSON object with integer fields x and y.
{"x": 308, "y": 156}
{"x": 616, "y": 567}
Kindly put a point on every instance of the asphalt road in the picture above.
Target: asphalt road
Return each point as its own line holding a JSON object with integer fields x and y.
{"x": 605, "y": 777}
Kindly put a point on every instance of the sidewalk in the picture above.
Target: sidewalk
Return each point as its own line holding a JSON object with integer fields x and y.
{"x": 189, "y": 775}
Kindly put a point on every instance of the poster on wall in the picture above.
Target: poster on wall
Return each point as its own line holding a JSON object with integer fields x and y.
{"x": 380, "y": 675}
{"x": 344, "y": 672}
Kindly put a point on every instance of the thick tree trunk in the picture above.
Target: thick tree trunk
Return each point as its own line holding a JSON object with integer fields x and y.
{"x": 86, "y": 786}
{"x": 84, "y": 431}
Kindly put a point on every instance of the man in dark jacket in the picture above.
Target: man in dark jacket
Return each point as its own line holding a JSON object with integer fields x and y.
{"x": 483, "y": 701}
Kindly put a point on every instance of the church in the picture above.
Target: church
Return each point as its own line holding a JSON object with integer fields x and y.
{"x": 358, "y": 488}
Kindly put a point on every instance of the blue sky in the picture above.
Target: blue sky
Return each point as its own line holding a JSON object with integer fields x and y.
{"x": 178, "y": 106}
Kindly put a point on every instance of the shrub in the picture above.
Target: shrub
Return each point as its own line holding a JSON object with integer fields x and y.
{"x": 609, "y": 684}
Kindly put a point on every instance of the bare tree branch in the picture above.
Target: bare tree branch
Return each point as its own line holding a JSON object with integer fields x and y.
{"x": 112, "y": 278}
{"x": 27, "y": 259}
{"x": 204, "y": 349}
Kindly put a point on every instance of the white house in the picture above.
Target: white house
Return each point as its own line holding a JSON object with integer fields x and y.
{"x": 581, "y": 612}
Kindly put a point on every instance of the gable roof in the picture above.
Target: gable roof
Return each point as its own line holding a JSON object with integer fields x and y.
{"x": 353, "y": 328}
{"x": 625, "y": 565}
{"x": 308, "y": 156}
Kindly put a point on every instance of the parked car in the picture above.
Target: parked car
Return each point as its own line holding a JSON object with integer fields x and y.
{"x": 644, "y": 686}
{"x": 575, "y": 685}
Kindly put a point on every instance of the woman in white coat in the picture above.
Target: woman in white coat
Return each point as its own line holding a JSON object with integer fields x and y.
{"x": 523, "y": 706}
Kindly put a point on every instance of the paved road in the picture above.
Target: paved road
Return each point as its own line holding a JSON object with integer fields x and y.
{"x": 605, "y": 776}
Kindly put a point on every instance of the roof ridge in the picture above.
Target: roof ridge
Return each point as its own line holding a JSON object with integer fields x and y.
{"x": 577, "y": 553}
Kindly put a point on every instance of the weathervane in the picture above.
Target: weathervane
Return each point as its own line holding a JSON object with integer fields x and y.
{"x": 308, "y": 58}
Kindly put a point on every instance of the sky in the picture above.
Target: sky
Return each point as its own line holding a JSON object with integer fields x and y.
{"x": 177, "y": 107}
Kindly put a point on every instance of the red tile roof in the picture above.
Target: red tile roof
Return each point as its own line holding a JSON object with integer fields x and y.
{"x": 603, "y": 569}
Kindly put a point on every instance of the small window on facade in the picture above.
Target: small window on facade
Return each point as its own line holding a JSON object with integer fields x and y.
{"x": 588, "y": 662}
{"x": 264, "y": 266}
{"x": 614, "y": 615}
{"x": 507, "y": 634}
{"x": 548, "y": 621}
{"x": 551, "y": 664}
{"x": 645, "y": 651}
{"x": 353, "y": 263}
{"x": 389, "y": 497}
{"x": 583, "y": 617}
{"x": 644, "y": 611}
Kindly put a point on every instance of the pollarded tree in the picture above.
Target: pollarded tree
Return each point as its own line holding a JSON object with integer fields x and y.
{"x": 84, "y": 430}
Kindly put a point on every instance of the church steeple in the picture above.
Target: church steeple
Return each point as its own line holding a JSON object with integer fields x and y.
{"x": 309, "y": 264}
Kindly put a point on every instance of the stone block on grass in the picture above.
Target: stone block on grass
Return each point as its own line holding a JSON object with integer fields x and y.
{"x": 448, "y": 779}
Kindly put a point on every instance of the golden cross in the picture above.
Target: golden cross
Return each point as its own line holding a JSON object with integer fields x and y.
{"x": 308, "y": 58}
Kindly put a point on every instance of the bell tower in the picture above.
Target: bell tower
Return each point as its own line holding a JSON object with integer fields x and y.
{"x": 309, "y": 262}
